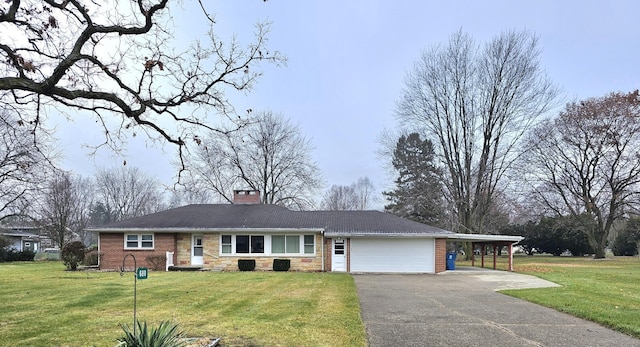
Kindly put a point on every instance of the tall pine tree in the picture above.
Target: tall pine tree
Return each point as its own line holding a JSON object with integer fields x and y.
{"x": 418, "y": 194}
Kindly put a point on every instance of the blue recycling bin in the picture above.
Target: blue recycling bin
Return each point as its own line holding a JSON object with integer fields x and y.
{"x": 451, "y": 261}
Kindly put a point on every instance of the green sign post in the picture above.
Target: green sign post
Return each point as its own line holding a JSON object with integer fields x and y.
{"x": 138, "y": 273}
{"x": 142, "y": 273}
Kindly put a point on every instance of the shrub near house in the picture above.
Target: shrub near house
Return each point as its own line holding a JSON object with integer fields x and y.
{"x": 8, "y": 253}
{"x": 73, "y": 254}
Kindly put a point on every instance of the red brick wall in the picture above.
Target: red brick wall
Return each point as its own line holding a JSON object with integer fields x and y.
{"x": 328, "y": 251}
{"x": 441, "y": 255}
{"x": 347, "y": 248}
{"x": 112, "y": 250}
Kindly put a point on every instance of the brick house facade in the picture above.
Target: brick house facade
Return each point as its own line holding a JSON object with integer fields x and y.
{"x": 112, "y": 250}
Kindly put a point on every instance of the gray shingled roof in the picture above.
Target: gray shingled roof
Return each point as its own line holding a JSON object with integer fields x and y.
{"x": 254, "y": 216}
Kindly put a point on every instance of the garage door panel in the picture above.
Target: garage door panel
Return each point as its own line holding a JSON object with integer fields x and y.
{"x": 392, "y": 255}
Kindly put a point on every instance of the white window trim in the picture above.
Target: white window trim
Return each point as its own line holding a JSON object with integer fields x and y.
{"x": 267, "y": 246}
{"x": 232, "y": 244}
{"x": 139, "y": 240}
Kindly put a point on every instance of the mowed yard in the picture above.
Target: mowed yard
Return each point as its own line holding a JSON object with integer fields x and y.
{"x": 605, "y": 291}
{"x": 41, "y": 304}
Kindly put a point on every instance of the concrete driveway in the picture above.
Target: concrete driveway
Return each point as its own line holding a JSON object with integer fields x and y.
{"x": 462, "y": 308}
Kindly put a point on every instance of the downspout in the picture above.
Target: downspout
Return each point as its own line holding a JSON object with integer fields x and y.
{"x": 322, "y": 242}
{"x": 99, "y": 250}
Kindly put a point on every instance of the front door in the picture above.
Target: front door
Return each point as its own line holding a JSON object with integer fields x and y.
{"x": 339, "y": 257}
{"x": 196, "y": 250}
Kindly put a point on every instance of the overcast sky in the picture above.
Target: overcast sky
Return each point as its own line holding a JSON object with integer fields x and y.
{"x": 347, "y": 61}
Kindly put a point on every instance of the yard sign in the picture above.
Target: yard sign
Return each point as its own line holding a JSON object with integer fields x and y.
{"x": 141, "y": 273}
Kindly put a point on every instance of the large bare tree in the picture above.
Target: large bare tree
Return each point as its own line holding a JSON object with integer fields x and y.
{"x": 65, "y": 208}
{"x": 364, "y": 189}
{"x": 586, "y": 163}
{"x": 120, "y": 62}
{"x": 476, "y": 102}
{"x": 128, "y": 192}
{"x": 182, "y": 195}
{"x": 270, "y": 155}
{"x": 340, "y": 198}
{"x": 357, "y": 196}
{"x": 24, "y": 166}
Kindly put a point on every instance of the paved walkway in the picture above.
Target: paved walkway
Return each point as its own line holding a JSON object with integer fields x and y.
{"x": 462, "y": 308}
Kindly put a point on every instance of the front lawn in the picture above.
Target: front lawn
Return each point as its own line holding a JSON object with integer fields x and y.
{"x": 605, "y": 291}
{"x": 44, "y": 305}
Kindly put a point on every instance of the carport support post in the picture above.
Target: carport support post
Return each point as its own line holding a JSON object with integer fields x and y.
{"x": 473, "y": 254}
{"x": 495, "y": 252}
{"x": 510, "y": 256}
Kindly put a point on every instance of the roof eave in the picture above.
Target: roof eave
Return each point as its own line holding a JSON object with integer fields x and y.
{"x": 485, "y": 238}
{"x": 204, "y": 230}
{"x": 386, "y": 234}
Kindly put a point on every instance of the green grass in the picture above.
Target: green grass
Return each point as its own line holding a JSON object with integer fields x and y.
{"x": 41, "y": 304}
{"x": 604, "y": 291}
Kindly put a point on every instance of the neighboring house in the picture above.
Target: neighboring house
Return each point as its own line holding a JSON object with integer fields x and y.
{"x": 215, "y": 236}
{"x": 22, "y": 239}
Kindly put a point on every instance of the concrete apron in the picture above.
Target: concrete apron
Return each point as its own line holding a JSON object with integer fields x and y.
{"x": 500, "y": 280}
{"x": 462, "y": 308}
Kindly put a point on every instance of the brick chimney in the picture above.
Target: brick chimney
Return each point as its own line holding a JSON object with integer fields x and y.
{"x": 246, "y": 196}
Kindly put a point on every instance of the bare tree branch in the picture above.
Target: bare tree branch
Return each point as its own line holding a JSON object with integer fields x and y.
{"x": 128, "y": 192}
{"x": 24, "y": 167}
{"x": 269, "y": 155}
{"x": 357, "y": 196}
{"x": 119, "y": 61}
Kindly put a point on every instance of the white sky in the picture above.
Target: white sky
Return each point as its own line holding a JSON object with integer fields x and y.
{"x": 347, "y": 61}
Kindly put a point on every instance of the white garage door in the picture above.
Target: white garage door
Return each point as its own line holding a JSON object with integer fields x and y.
{"x": 392, "y": 255}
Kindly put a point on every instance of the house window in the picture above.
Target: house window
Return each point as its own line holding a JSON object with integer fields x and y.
{"x": 309, "y": 244}
{"x": 261, "y": 244}
{"x": 257, "y": 244}
{"x": 277, "y": 244}
{"x": 242, "y": 243}
{"x": 247, "y": 243}
{"x": 290, "y": 244}
{"x": 138, "y": 241}
{"x": 226, "y": 244}
{"x": 293, "y": 244}
{"x": 338, "y": 247}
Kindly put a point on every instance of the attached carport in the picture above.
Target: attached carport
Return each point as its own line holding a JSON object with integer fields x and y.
{"x": 492, "y": 241}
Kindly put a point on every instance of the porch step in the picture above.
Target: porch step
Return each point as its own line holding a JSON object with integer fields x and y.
{"x": 185, "y": 268}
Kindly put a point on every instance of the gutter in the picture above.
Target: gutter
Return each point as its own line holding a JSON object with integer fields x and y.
{"x": 485, "y": 237}
{"x": 390, "y": 235}
{"x": 209, "y": 230}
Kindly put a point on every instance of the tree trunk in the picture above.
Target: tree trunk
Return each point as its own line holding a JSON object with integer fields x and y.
{"x": 468, "y": 250}
{"x": 598, "y": 244}
{"x": 600, "y": 252}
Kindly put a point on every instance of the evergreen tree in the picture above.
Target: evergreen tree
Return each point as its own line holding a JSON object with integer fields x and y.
{"x": 101, "y": 214}
{"x": 628, "y": 239}
{"x": 418, "y": 193}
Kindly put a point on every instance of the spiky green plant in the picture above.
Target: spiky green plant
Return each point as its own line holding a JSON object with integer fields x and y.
{"x": 165, "y": 335}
